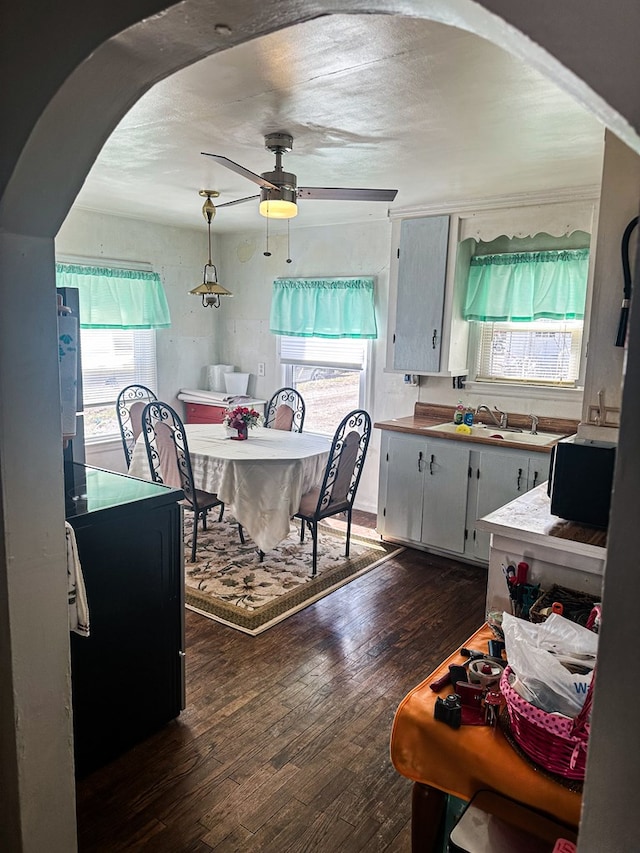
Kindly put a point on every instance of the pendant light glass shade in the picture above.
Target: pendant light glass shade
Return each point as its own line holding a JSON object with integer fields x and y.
{"x": 278, "y": 209}
{"x": 278, "y": 204}
{"x": 210, "y": 289}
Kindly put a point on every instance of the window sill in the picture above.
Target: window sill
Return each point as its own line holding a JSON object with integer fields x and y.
{"x": 104, "y": 441}
{"x": 530, "y": 392}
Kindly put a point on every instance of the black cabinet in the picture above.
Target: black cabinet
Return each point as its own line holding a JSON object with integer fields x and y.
{"x": 128, "y": 675}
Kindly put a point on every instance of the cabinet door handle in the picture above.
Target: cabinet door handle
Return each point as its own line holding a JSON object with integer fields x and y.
{"x": 432, "y": 460}
{"x": 535, "y": 479}
{"x": 519, "y": 478}
{"x": 434, "y": 338}
{"x": 420, "y": 461}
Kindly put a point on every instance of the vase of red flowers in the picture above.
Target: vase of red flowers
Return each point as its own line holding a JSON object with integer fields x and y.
{"x": 240, "y": 419}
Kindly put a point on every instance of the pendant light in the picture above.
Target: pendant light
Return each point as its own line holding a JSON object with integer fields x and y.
{"x": 210, "y": 289}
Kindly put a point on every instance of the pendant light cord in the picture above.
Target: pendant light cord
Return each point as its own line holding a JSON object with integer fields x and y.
{"x": 209, "y": 230}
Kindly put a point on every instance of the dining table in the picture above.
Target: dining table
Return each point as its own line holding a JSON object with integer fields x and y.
{"x": 260, "y": 479}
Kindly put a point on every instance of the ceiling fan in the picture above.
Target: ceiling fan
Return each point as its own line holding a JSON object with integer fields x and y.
{"x": 279, "y": 190}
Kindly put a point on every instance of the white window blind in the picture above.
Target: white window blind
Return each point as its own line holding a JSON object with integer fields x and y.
{"x": 543, "y": 352}
{"x": 114, "y": 358}
{"x": 324, "y": 352}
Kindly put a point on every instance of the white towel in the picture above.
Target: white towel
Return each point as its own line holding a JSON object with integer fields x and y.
{"x": 78, "y": 608}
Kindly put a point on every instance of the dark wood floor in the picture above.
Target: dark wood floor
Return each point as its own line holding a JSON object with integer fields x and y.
{"x": 284, "y": 743}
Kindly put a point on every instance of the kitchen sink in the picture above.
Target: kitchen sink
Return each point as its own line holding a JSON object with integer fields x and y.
{"x": 542, "y": 439}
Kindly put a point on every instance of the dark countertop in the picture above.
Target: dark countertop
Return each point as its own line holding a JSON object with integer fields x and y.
{"x": 94, "y": 489}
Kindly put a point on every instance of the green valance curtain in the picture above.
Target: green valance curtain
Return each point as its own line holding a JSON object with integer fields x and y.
{"x": 323, "y": 308}
{"x": 526, "y": 286}
{"x": 116, "y": 298}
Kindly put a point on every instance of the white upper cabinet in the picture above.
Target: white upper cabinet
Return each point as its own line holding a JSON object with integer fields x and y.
{"x": 424, "y": 337}
{"x": 422, "y": 268}
{"x": 429, "y": 267}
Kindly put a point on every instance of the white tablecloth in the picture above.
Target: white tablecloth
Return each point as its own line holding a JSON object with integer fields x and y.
{"x": 261, "y": 479}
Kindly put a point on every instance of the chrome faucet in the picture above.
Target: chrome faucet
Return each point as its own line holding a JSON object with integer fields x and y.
{"x": 534, "y": 424}
{"x": 499, "y": 422}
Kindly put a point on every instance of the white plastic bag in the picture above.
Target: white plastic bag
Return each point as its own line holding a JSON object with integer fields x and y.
{"x": 535, "y": 651}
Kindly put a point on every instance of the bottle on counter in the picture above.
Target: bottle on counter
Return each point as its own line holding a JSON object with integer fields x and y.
{"x": 468, "y": 416}
{"x": 458, "y": 415}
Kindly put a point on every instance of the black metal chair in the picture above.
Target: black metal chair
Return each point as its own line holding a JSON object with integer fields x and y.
{"x": 341, "y": 478}
{"x": 169, "y": 462}
{"x": 285, "y": 411}
{"x": 129, "y": 407}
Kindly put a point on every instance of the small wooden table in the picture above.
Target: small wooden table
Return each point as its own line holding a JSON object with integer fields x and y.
{"x": 209, "y": 407}
{"x": 441, "y": 760}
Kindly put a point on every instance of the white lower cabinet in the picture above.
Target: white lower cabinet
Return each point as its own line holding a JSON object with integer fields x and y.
{"x": 496, "y": 478}
{"x": 432, "y": 491}
{"x": 423, "y": 491}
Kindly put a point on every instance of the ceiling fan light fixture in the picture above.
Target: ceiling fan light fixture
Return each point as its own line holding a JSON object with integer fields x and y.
{"x": 279, "y": 191}
{"x": 278, "y": 204}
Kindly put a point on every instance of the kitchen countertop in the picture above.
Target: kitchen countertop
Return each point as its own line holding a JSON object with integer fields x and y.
{"x": 528, "y": 519}
{"x": 427, "y": 415}
{"x": 90, "y": 490}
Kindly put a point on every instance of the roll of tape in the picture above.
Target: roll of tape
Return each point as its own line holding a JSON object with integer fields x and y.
{"x": 485, "y": 672}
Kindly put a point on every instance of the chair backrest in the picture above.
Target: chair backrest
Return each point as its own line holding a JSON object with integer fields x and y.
{"x": 285, "y": 411}
{"x": 167, "y": 449}
{"x": 129, "y": 406}
{"x": 345, "y": 463}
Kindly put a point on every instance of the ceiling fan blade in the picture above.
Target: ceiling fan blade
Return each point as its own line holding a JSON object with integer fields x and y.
{"x": 346, "y": 194}
{"x": 237, "y": 201}
{"x": 240, "y": 170}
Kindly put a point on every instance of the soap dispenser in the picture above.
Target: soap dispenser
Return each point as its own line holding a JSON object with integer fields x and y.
{"x": 458, "y": 415}
{"x": 468, "y": 416}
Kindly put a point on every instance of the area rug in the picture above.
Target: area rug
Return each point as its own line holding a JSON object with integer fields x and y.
{"x": 229, "y": 584}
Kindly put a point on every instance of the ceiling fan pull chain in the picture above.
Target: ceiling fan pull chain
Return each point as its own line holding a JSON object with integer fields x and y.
{"x": 288, "y": 241}
{"x": 267, "y": 254}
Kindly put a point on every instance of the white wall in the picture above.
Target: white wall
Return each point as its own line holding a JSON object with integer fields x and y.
{"x": 178, "y": 256}
{"x": 349, "y": 250}
{"x": 33, "y": 640}
{"x": 618, "y": 205}
{"x": 545, "y": 403}
{"x": 41, "y": 117}
{"x": 238, "y": 332}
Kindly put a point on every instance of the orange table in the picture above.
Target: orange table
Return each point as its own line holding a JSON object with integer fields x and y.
{"x": 442, "y": 760}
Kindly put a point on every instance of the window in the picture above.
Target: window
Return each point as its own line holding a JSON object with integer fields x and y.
{"x": 546, "y": 352}
{"x": 330, "y": 375}
{"x": 324, "y": 325}
{"x": 527, "y": 310}
{"x": 111, "y": 360}
{"x": 120, "y": 309}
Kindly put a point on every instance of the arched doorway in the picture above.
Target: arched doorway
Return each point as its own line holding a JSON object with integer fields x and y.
{"x": 56, "y": 147}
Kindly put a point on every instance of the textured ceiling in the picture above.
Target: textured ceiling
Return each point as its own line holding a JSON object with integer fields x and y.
{"x": 371, "y": 101}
